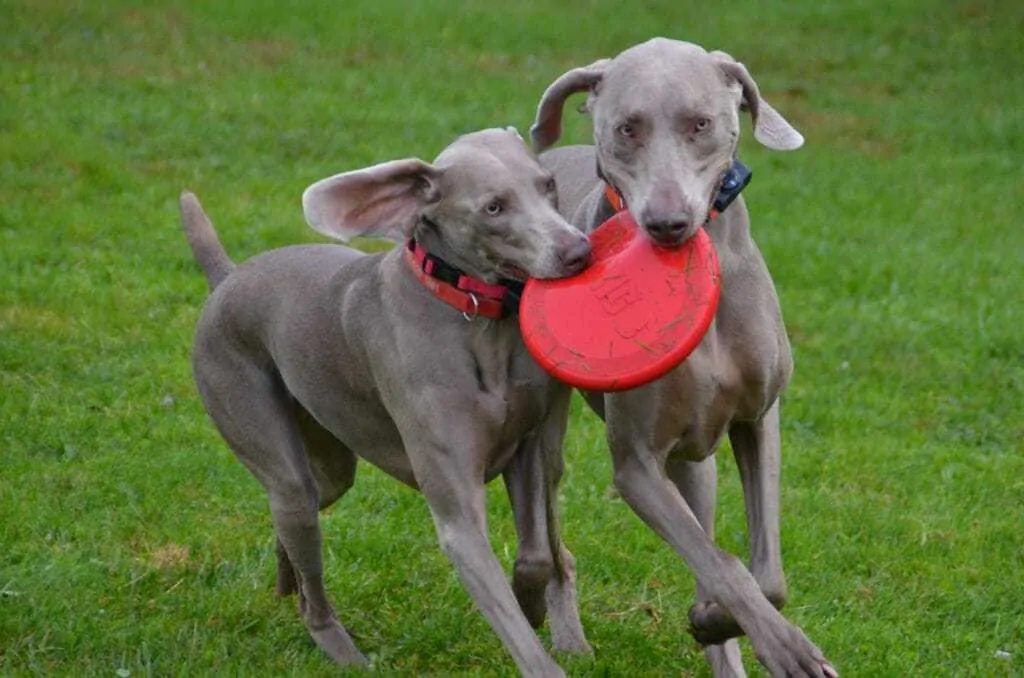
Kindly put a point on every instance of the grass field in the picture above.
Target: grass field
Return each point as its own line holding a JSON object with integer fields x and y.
{"x": 133, "y": 543}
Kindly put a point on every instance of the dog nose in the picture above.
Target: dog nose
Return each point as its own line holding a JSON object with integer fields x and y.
{"x": 668, "y": 231}
{"x": 576, "y": 256}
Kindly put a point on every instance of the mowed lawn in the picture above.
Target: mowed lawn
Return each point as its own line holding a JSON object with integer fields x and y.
{"x": 133, "y": 543}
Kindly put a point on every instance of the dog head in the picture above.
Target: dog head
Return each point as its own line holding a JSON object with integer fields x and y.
{"x": 666, "y": 125}
{"x": 485, "y": 198}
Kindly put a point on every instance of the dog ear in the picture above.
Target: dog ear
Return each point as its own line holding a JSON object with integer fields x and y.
{"x": 770, "y": 128}
{"x": 547, "y": 127}
{"x": 382, "y": 201}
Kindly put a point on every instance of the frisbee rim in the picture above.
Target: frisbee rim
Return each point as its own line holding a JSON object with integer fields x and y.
{"x": 646, "y": 373}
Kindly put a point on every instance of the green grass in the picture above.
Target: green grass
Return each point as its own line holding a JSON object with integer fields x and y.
{"x": 132, "y": 541}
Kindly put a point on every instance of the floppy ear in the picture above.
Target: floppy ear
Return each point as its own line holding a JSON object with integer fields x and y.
{"x": 382, "y": 201}
{"x": 770, "y": 128}
{"x": 547, "y": 128}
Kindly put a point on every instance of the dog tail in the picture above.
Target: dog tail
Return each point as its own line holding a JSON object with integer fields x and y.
{"x": 204, "y": 242}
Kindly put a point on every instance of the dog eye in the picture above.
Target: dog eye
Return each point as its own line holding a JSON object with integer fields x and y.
{"x": 701, "y": 124}
{"x": 493, "y": 208}
{"x": 549, "y": 185}
{"x": 626, "y": 130}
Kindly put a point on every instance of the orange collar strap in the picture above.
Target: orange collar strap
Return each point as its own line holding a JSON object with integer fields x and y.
{"x": 613, "y": 197}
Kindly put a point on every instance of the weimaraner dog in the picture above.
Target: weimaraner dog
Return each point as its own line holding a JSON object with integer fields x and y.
{"x": 666, "y": 124}
{"x": 307, "y": 356}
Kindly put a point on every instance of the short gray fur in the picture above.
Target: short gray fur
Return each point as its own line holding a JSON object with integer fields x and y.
{"x": 308, "y": 356}
{"x": 666, "y": 120}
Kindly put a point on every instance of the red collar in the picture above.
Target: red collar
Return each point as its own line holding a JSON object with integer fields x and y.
{"x": 618, "y": 204}
{"x": 470, "y": 295}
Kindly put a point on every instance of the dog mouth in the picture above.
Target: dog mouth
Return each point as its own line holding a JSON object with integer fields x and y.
{"x": 671, "y": 238}
{"x": 673, "y": 235}
{"x": 675, "y": 243}
{"x": 576, "y": 267}
{"x": 512, "y": 272}
{"x": 567, "y": 264}
{"x": 561, "y": 270}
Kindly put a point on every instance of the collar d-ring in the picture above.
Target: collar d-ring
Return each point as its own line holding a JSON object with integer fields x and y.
{"x": 476, "y": 308}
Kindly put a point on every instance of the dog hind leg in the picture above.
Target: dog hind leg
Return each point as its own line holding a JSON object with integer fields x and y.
{"x": 256, "y": 417}
{"x": 334, "y": 469}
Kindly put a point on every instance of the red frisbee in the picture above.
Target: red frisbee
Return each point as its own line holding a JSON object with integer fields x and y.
{"x": 635, "y": 313}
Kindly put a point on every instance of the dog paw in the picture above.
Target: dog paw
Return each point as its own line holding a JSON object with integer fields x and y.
{"x": 570, "y": 643}
{"x": 532, "y": 603}
{"x": 784, "y": 650}
{"x": 711, "y": 624}
{"x": 334, "y": 640}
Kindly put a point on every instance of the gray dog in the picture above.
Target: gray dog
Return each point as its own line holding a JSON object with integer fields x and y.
{"x": 308, "y": 356}
{"x": 666, "y": 126}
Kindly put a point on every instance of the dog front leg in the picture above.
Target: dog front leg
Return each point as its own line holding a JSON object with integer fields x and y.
{"x": 640, "y": 478}
{"x": 456, "y": 496}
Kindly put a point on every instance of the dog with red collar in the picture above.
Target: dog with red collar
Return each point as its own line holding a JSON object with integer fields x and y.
{"x": 308, "y": 357}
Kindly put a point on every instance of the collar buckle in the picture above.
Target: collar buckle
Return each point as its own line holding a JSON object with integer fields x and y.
{"x": 476, "y": 308}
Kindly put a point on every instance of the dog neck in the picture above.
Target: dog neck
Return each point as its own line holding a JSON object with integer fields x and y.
{"x": 457, "y": 288}
{"x": 427, "y": 233}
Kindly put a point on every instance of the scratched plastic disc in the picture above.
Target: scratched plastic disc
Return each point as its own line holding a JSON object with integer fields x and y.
{"x": 635, "y": 313}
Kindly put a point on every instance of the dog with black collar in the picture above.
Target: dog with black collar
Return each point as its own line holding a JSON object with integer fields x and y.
{"x": 666, "y": 118}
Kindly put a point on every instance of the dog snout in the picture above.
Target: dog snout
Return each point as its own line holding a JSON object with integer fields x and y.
{"x": 667, "y": 215}
{"x": 574, "y": 254}
{"x": 668, "y": 231}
